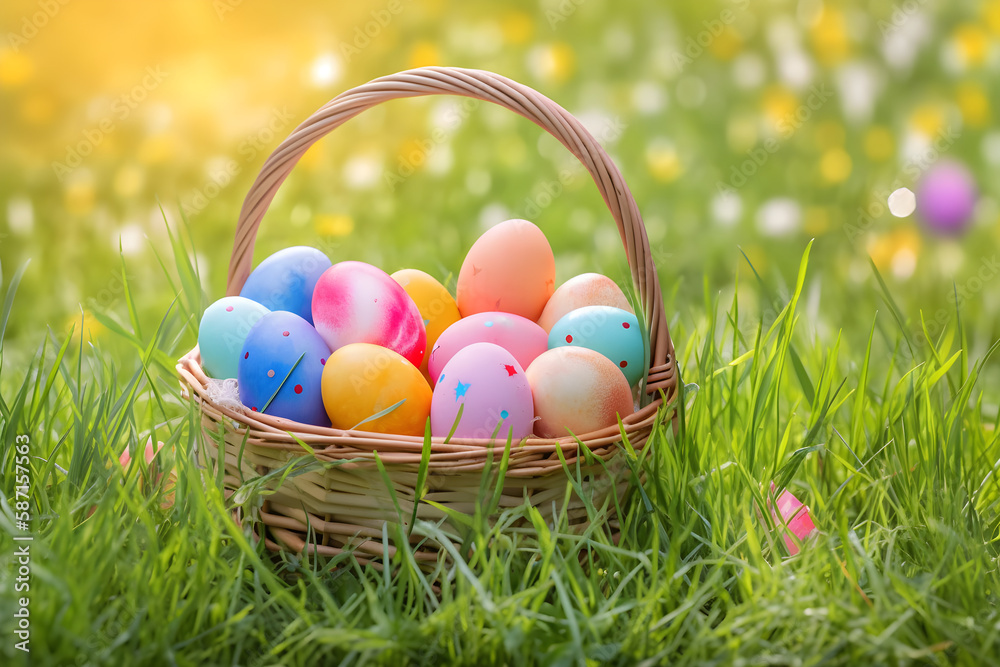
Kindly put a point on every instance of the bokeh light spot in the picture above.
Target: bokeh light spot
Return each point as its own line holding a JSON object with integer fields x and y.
{"x": 902, "y": 202}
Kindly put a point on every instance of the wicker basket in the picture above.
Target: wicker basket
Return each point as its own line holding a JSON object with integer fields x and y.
{"x": 346, "y": 507}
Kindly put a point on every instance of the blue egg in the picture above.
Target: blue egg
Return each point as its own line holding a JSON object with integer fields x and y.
{"x": 611, "y": 331}
{"x": 286, "y": 279}
{"x": 281, "y": 367}
{"x": 223, "y": 329}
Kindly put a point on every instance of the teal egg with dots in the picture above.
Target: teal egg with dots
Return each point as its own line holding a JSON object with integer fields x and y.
{"x": 281, "y": 369}
{"x": 613, "y": 332}
{"x": 223, "y": 329}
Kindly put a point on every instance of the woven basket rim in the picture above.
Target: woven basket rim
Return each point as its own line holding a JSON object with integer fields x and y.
{"x": 329, "y": 443}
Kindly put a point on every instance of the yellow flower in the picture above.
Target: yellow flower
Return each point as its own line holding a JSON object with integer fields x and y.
{"x": 663, "y": 162}
{"x": 555, "y": 62}
{"x": 424, "y": 54}
{"x": 972, "y": 43}
{"x": 835, "y": 165}
{"x": 156, "y": 149}
{"x": 991, "y": 15}
{"x": 896, "y": 252}
{"x": 928, "y": 119}
{"x": 15, "y": 68}
{"x": 517, "y": 27}
{"x": 727, "y": 45}
{"x": 313, "y": 157}
{"x": 779, "y": 103}
{"x": 128, "y": 181}
{"x": 817, "y": 220}
{"x": 878, "y": 143}
{"x": 829, "y": 36}
{"x": 84, "y": 323}
{"x": 973, "y": 104}
{"x": 334, "y": 225}
{"x": 79, "y": 196}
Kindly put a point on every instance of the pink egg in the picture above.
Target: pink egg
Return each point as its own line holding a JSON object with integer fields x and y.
{"x": 518, "y": 335}
{"x": 354, "y": 302}
{"x": 490, "y": 387}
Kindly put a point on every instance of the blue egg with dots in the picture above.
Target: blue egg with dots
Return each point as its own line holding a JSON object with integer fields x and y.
{"x": 281, "y": 368}
{"x": 286, "y": 280}
{"x": 613, "y": 332}
{"x": 223, "y": 329}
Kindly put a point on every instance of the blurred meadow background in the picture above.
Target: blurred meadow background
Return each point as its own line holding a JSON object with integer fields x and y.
{"x": 745, "y": 131}
{"x": 737, "y": 127}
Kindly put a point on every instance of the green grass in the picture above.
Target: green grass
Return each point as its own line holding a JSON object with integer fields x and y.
{"x": 890, "y": 440}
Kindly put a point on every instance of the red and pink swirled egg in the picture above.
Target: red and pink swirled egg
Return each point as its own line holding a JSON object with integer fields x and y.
{"x": 354, "y": 302}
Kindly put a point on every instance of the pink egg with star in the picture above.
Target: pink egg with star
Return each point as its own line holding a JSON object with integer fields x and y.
{"x": 488, "y": 385}
{"x": 524, "y": 339}
{"x": 354, "y": 302}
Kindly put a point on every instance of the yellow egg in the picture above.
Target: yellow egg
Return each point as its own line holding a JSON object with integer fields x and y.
{"x": 360, "y": 380}
{"x": 510, "y": 269}
{"x": 437, "y": 308}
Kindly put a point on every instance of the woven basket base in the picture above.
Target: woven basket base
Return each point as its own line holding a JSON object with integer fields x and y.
{"x": 345, "y": 509}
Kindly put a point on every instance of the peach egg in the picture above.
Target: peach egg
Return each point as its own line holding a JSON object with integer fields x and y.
{"x": 586, "y": 289}
{"x": 576, "y": 390}
{"x": 510, "y": 268}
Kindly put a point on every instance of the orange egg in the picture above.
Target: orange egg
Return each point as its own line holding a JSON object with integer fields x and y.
{"x": 360, "y": 380}
{"x": 511, "y": 269}
{"x": 436, "y": 305}
{"x": 576, "y": 390}
{"x": 587, "y": 289}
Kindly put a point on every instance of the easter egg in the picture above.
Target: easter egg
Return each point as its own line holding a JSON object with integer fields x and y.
{"x": 490, "y": 387}
{"x": 510, "y": 268}
{"x": 361, "y": 380}
{"x": 285, "y": 280}
{"x": 224, "y": 326}
{"x": 524, "y": 339}
{"x": 576, "y": 390}
{"x": 587, "y": 289}
{"x": 436, "y": 305}
{"x": 611, "y": 331}
{"x": 281, "y": 367}
{"x": 356, "y": 302}
{"x": 946, "y": 198}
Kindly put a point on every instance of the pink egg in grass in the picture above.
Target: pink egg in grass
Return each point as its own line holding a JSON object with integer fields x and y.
{"x": 354, "y": 302}
{"x": 490, "y": 388}
{"x": 524, "y": 339}
{"x": 946, "y": 198}
{"x": 794, "y": 519}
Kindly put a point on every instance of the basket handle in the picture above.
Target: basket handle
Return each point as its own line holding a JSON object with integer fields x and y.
{"x": 518, "y": 98}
